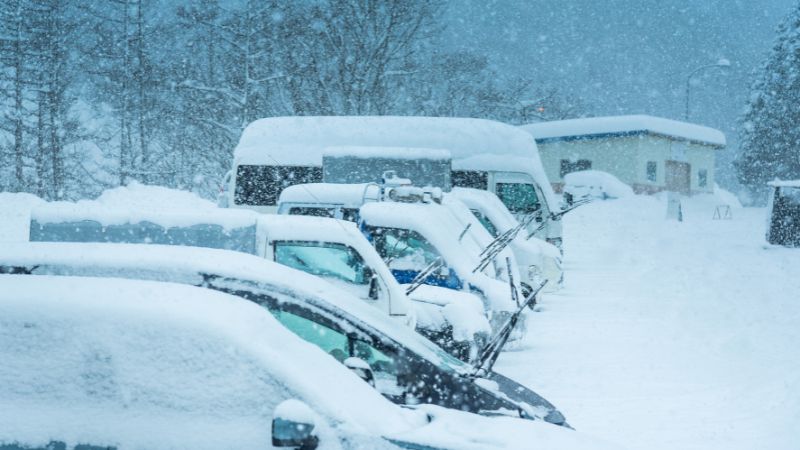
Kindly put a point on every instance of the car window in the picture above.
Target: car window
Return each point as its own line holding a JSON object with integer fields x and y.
{"x": 326, "y": 338}
{"x": 403, "y": 249}
{"x": 323, "y": 259}
{"x": 384, "y": 367}
{"x": 485, "y": 222}
{"x": 350, "y": 214}
{"x": 518, "y": 197}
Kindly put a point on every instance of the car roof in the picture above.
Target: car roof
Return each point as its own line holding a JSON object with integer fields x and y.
{"x": 191, "y": 264}
{"x": 250, "y": 330}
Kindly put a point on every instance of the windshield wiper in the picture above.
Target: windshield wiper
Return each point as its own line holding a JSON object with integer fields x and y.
{"x": 560, "y": 214}
{"x": 461, "y": 236}
{"x": 501, "y": 242}
{"x": 419, "y": 280}
{"x": 488, "y": 355}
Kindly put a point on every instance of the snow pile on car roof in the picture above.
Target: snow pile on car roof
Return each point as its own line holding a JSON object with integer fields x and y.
{"x": 594, "y": 126}
{"x": 79, "y": 365}
{"x": 281, "y": 140}
{"x": 345, "y": 194}
{"x": 137, "y": 202}
{"x": 360, "y": 151}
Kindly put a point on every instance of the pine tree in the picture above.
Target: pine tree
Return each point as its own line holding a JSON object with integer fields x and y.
{"x": 770, "y": 126}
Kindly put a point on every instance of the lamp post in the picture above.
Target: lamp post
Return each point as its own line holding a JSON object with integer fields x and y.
{"x": 722, "y": 63}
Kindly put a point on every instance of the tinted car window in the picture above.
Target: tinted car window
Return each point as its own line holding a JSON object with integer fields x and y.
{"x": 261, "y": 185}
{"x": 326, "y": 338}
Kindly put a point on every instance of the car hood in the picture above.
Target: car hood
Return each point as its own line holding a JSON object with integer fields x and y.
{"x": 452, "y": 429}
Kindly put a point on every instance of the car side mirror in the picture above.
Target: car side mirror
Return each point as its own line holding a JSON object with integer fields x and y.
{"x": 360, "y": 368}
{"x": 373, "y": 288}
{"x": 293, "y": 426}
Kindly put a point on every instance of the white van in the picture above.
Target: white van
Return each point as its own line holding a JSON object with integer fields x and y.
{"x": 275, "y": 153}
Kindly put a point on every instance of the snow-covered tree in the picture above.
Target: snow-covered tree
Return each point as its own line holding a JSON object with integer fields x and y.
{"x": 770, "y": 126}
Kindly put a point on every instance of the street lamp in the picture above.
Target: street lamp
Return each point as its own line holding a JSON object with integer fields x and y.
{"x": 722, "y": 64}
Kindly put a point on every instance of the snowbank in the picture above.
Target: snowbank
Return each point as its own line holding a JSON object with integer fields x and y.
{"x": 146, "y": 197}
{"x": 670, "y": 335}
{"x": 625, "y": 124}
{"x": 137, "y": 202}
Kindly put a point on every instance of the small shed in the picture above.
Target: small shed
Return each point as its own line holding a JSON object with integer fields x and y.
{"x": 648, "y": 153}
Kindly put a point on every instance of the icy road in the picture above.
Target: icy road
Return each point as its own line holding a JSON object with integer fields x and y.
{"x": 670, "y": 335}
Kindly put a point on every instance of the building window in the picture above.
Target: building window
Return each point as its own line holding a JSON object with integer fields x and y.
{"x": 568, "y": 166}
{"x": 652, "y": 170}
{"x": 702, "y": 178}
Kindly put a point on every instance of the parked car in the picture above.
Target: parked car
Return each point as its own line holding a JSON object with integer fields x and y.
{"x": 332, "y": 249}
{"x": 593, "y": 184}
{"x": 407, "y": 368}
{"x": 107, "y": 363}
{"x": 413, "y": 232}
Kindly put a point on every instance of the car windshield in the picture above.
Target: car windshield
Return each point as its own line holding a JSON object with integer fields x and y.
{"x": 404, "y": 249}
{"x": 323, "y": 259}
{"x": 485, "y": 222}
{"x": 518, "y": 197}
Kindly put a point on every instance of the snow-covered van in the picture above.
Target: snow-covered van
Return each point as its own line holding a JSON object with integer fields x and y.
{"x": 107, "y": 363}
{"x": 275, "y": 153}
{"x": 404, "y": 366}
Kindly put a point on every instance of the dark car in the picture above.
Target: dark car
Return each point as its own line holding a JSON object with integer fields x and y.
{"x": 405, "y": 367}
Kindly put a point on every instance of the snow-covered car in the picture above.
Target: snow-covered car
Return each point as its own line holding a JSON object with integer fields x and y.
{"x": 412, "y": 237}
{"x": 407, "y": 368}
{"x": 593, "y": 184}
{"x": 536, "y": 258}
{"x": 91, "y": 363}
{"x": 413, "y": 232}
{"x": 783, "y": 213}
{"x": 332, "y": 249}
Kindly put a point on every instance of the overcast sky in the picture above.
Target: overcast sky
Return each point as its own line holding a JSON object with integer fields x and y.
{"x": 629, "y": 56}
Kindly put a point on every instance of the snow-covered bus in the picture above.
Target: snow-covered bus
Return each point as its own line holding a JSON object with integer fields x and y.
{"x": 278, "y": 152}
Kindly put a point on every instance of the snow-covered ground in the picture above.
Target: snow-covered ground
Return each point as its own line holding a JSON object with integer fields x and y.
{"x": 670, "y": 335}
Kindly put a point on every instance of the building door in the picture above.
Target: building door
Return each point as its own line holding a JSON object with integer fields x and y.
{"x": 677, "y": 176}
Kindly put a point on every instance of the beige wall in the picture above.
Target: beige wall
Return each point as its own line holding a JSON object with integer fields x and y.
{"x": 616, "y": 156}
{"x": 626, "y": 158}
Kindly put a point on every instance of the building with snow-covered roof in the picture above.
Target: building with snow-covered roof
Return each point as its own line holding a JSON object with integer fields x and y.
{"x": 648, "y": 153}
